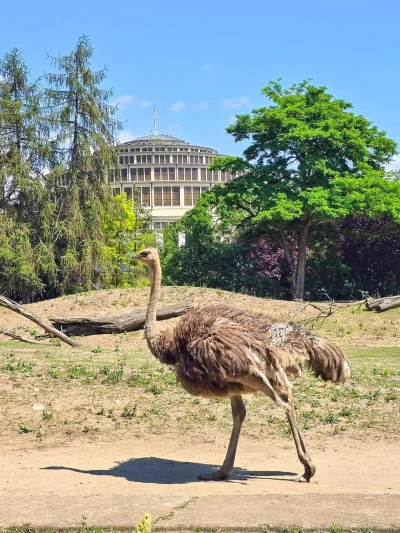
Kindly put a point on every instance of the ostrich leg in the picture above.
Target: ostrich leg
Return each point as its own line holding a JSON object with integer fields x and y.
{"x": 309, "y": 468}
{"x": 238, "y": 415}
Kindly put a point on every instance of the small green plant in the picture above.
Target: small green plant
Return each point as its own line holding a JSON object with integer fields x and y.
{"x": 25, "y": 429}
{"x": 54, "y": 373}
{"x": 346, "y": 411}
{"x": 330, "y": 419}
{"x": 129, "y": 411}
{"x": 97, "y": 350}
{"x": 112, "y": 377}
{"x": 47, "y": 415}
{"x": 144, "y": 525}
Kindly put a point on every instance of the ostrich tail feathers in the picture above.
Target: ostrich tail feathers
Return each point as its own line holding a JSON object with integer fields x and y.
{"x": 327, "y": 360}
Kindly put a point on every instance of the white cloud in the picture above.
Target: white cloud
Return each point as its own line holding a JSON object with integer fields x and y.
{"x": 395, "y": 163}
{"x": 124, "y": 136}
{"x": 207, "y": 66}
{"x": 236, "y": 102}
{"x": 126, "y": 99}
{"x": 201, "y": 106}
{"x": 177, "y": 106}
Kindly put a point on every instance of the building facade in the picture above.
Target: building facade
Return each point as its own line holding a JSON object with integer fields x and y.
{"x": 168, "y": 173}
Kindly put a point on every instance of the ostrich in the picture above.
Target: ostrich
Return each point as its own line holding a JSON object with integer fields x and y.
{"x": 222, "y": 352}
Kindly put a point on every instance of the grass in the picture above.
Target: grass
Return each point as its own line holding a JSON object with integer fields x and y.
{"x": 114, "y": 393}
{"x": 87, "y": 529}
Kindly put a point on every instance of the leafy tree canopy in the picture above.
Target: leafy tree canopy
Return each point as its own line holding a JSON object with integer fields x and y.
{"x": 310, "y": 159}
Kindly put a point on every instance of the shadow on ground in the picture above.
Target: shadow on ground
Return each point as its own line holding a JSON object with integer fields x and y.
{"x": 169, "y": 472}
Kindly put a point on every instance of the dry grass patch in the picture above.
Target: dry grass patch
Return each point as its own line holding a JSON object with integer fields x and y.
{"x": 56, "y": 394}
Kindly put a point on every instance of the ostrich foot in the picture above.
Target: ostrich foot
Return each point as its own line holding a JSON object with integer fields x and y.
{"x": 218, "y": 475}
{"x": 308, "y": 474}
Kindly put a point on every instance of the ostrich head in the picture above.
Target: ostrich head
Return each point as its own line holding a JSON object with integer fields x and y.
{"x": 148, "y": 257}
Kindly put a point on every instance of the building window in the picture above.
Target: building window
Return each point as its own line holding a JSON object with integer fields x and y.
{"x": 140, "y": 174}
{"x": 203, "y": 174}
{"x": 195, "y": 174}
{"x": 176, "y": 195}
{"x": 157, "y": 174}
{"x": 126, "y": 160}
{"x": 181, "y": 173}
{"x": 157, "y": 196}
{"x": 112, "y": 175}
{"x": 223, "y": 175}
{"x": 188, "y": 196}
{"x": 131, "y": 159}
{"x": 133, "y": 174}
{"x": 188, "y": 174}
{"x": 121, "y": 160}
{"x": 175, "y": 159}
{"x": 167, "y": 158}
{"x": 147, "y": 174}
{"x": 164, "y": 174}
{"x": 116, "y": 191}
{"x": 124, "y": 174}
{"x": 149, "y": 158}
{"x": 215, "y": 175}
{"x": 156, "y": 158}
{"x": 128, "y": 191}
{"x": 200, "y": 159}
{"x": 209, "y": 175}
{"x": 196, "y": 194}
{"x": 192, "y": 194}
{"x": 171, "y": 174}
{"x": 145, "y": 195}
{"x": 166, "y": 196}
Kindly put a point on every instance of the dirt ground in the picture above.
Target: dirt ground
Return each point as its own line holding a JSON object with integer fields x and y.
{"x": 114, "y": 483}
{"x": 104, "y": 433}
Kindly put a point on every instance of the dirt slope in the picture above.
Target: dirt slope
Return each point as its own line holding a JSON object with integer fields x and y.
{"x": 352, "y": 326}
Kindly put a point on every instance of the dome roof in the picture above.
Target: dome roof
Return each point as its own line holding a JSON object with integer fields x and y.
{"x": 158, "y": 137}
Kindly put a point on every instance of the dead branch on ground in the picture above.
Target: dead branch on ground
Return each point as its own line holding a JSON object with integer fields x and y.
{"x": 18, "y": 308}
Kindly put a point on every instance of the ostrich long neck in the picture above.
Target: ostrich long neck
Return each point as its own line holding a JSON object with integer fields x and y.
{"x": 150, "y": 326}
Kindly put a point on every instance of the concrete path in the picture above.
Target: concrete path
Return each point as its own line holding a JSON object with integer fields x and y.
{"x": 113, "y": 484}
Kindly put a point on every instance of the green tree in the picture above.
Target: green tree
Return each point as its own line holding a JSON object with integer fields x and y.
{"x": 25, "y": 150}
{"x": 126, "y": 232}
{"x": 82, "y": 118}
{"x": 310, "y": 160}
{"x": 85, "y": 130}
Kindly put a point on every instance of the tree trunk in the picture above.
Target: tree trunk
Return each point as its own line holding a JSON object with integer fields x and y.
{"x": 297, "y": 267}
{"x": 300, "y": 275}
{"x": 129, "y": 321}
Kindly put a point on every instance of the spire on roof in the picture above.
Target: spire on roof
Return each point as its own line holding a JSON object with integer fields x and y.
{"x": 155, "y": 121}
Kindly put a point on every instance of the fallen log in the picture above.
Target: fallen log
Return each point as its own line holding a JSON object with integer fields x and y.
{"x": 382, "y": 304}
{"x": 129, "y": 321}
{"x": 18, "y": 308}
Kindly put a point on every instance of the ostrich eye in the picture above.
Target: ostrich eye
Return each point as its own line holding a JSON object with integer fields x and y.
{"x": 144, "y": 254}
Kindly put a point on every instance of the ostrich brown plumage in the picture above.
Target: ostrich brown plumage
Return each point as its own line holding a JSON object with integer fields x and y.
{"x": 222, "y": 352}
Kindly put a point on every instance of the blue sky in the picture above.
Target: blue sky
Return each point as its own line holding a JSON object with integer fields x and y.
{"x": 202, "y": 62}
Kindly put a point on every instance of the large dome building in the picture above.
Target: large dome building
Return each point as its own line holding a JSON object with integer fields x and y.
{"x": 168, "y": 173}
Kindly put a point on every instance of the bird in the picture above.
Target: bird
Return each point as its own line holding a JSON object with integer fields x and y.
{"x": 218, "y": 351}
